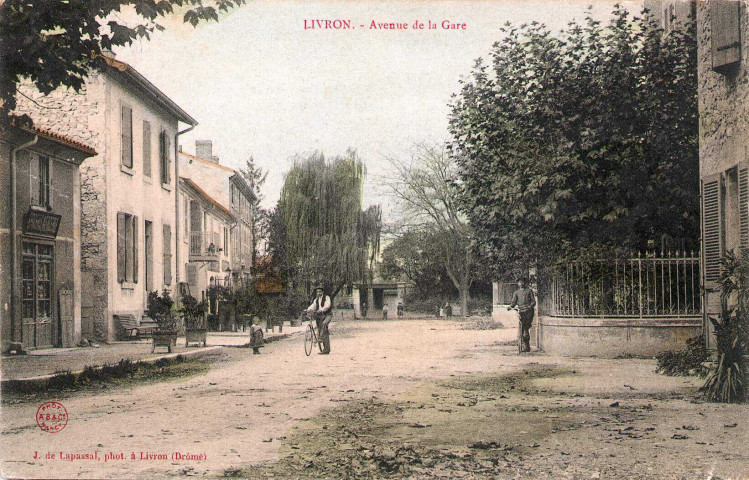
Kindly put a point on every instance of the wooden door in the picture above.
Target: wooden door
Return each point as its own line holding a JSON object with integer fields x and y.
{"x": 36, "y": 294}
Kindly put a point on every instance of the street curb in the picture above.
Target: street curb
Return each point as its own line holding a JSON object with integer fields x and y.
{"x": 274, "y": 338}
{"x": 42, "y": 381}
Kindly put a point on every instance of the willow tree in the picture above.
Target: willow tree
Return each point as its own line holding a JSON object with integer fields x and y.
{"x": 329, "y": 238}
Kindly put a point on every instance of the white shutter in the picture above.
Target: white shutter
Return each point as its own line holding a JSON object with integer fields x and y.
{"x": 712, "y": 226}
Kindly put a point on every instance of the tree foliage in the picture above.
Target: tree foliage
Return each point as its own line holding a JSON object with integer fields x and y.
{"x": 255, "y": 177}
{"x": 329, "y": 239}
{"x": 579, "y": 139}
{"x": 56, "y": 43}
{"x": 423, "y": 188}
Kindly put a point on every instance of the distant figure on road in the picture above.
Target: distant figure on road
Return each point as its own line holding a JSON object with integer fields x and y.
{"x": 256, "y": 338}
{"x": 385, "y": 312}
{"x": 524, "y": 299}
{"x": 448, "y": 310}
{"x": 400, "y": 309}
{"x": 364, "y": 310}
{"x": 322, "y": 308}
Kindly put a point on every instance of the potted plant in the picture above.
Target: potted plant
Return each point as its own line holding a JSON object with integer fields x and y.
{"x": 193, "y": 313}
{"x": 160, "y": 309}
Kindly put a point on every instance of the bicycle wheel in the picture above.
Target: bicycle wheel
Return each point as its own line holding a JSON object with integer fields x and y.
{"x": 309, "y": 338}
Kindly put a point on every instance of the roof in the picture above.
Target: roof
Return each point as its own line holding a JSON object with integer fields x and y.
{"x": 208, "y": 162}
{"x": 241, "y": 182}
{"x": 56, "y": 137}
{"x": 160, "y": 97}
{"x": 207, "y": 197}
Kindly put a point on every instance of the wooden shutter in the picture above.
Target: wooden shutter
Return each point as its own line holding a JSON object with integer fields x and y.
{"x": 121, "y": 247}
{"x": 135, "y": 249}
{"x": 192, "y": 274}
{"x": 34, "y": 179}
{"x": 162, "y": 159}
{"x": 725, "y": 33}
{"x": 712, "y": 227}
{"x": 167, "y": 248}
{"x": 744, "y": 206}
{"x": 167, "y": 157}
{"x": 146, "y": 148}
{"x": 127, "y": 136}
{"x": 50, "y": 182}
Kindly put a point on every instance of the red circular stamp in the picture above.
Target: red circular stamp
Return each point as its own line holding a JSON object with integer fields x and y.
{"x": 51, "y": 417}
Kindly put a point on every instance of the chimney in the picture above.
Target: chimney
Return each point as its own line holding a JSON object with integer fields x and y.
{"x": 204, "y": 150}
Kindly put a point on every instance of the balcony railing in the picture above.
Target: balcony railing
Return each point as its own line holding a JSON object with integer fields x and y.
{"x": 644, "y": 286}
{"x": 204, "y": 246}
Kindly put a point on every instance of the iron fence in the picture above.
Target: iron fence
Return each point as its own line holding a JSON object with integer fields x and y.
{"x": 644, "y": 286}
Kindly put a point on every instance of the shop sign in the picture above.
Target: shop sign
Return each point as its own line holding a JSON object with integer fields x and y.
{"x": 41, "y": 223}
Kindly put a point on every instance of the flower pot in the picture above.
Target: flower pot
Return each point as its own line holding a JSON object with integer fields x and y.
{"x": 195, "y": 335}
{"x": 164, "y": 338}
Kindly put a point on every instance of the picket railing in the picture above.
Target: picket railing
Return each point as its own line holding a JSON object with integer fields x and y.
{"x": 643, "y": 286}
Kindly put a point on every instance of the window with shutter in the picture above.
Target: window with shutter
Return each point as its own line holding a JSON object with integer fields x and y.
{"x": 162, "y": 158}
{"x": 44, "y": 183}
{"x": 725, "y": 33}
{"x": 34, "y": 180}
{"x": 121, "y": 247}
{"x": 146, "y": 148}
{"x": 167, "y": 249}
{"x": 168, "y": 158}
{"x": 135, "y": 250}
{"x": 192, "y": 274}
{"x": 127, "y": 136}
{"x": 128, "y": 248}
{"x": 712, "y": 227}
{"x": 744, "y": 207}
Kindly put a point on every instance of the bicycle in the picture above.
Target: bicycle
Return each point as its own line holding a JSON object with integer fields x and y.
{"x": 310, "y": 336}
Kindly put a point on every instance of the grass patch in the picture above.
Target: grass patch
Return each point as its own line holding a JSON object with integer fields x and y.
{"x": 121, "y": 374}
{"x": 686, "y": 361}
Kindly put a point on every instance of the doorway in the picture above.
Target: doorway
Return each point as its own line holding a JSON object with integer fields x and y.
{"x": 36, "y": 294}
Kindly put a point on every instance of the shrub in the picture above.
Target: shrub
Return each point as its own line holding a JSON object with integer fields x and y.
{"x": 683, "y": 362}
{"x": 726, "y": 383}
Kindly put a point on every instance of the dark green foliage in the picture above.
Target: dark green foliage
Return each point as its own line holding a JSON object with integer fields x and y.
{"x": 682, "y": 362}
{"x": 727, "y": 383}
{"x": 160, "y": 309}
{"x": 193, "y": 312}
{"x": 57, "y": 43}
{"x": 584, "y": 138}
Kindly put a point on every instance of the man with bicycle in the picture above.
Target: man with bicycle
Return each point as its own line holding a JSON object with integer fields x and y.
{"x": 524, "y": 299}
{"x": 322, "y": 311}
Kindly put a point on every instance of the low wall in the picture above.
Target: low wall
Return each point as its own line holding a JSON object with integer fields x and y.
{"x": 612, "y": 337}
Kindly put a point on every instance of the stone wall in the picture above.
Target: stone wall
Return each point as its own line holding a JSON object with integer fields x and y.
{"x": 723, "y": 101}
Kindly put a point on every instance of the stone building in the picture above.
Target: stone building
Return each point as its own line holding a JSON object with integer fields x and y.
{"x": 206, "y": 244}
{"x": 40, "y": 262}
{"x": 723, "y": 64}
{"x": 129, "y": 224}
{"x": 228, "y": 187}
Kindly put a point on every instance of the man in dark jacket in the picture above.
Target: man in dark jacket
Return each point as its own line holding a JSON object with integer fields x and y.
{"x": 322, "y": 309}
{"x": 524, "y": 299}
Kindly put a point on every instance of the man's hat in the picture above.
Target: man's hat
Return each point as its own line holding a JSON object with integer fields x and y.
{"x": 320, "y": 287}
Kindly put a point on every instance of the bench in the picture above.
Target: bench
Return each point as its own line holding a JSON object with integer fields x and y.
{"x": 147, "y": 326}
{"x": 129, "y": 325}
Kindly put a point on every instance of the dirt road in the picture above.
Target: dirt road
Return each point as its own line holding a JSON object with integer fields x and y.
{"x": 409, "y": 399}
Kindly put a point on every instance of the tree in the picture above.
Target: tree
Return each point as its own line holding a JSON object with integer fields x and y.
{"x": 329, "y": 239}
{"x": 255, "y": 177}
{"x": 585, "y": 140}
{"x": 416, "y": 256}
{"x": 57, "y": 43}
{"x": 428, "y": 200}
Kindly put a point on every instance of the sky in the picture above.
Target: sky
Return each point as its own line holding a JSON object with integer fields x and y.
{"x": 261, "y": 85}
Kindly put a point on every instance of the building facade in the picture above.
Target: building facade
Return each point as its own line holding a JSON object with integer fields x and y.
{"x": 723, "y": 63}
{"x": 129, "y": 222}
{"x": 229, "y": 188}
{"x": 40, "y": 262}
{"x": 206, "y": 244}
